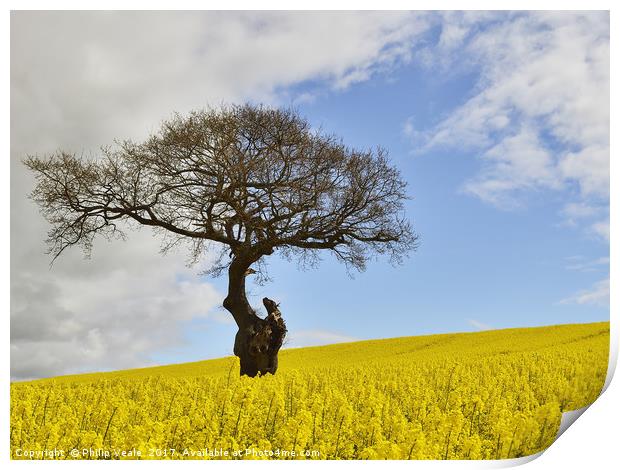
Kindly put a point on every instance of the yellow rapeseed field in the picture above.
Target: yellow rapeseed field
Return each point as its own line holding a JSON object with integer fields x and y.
{"x": 487, "y": 395}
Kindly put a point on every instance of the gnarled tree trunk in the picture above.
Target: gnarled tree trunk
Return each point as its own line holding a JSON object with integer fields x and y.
{"x": 258, "y": 340}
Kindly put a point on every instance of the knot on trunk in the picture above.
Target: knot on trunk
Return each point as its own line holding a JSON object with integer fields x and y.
{"x": 268, "y": 333}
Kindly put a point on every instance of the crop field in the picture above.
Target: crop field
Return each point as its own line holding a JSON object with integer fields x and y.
{"x": 488, "y": 395}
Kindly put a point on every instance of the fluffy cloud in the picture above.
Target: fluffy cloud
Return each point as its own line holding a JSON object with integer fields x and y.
{"x": 601, "y": 229}
{"x": 578, "y": 263}
{"x": 479, "y": 325}
{"x": 316, "y": 337}
{"x": 80, "y": 80}
{"x": 109, "y": 312}
{"x": 539, "y": 115}
{"x": 516, "y": 164}
{"x": 84, "y": 78}
{"x": 597, "y": 295}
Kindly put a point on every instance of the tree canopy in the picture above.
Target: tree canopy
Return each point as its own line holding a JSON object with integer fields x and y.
{"x": 247, "y": 180}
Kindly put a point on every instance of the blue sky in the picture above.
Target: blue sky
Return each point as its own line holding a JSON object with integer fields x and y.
{"x": 478, "y": 266}
{"x": 498, "y": 122}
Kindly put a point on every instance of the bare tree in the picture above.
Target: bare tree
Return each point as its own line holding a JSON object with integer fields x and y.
{"x": 244, "y": 180}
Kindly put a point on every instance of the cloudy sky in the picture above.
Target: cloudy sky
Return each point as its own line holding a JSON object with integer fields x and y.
{"x": 499, "y": 122}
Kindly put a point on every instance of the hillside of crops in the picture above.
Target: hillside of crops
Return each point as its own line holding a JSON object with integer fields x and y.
{"x": 486, "y": 395}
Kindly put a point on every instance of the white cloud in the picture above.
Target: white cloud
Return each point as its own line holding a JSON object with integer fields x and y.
{"x": 539, "y": 114}
{"x": 583, "y": 265}
{"x": 109, "y": 312}
{"x": 479, "y": 325}
{"x": 316, "y": 337}
{"x": 517, "y": 163}
{"x": 80, "y": 80}
{"x": 574, "y": 211}
{"x": 84, "y": 78}
{"x": 601, "y": 229}
{"x": 576, "y": 214}
{"x": 597, "y": 295}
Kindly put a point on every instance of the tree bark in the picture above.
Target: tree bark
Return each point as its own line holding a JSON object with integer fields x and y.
{"x": 258, "y": 340}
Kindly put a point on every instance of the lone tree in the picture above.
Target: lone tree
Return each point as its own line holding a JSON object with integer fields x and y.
{"x": 247, "y": 181}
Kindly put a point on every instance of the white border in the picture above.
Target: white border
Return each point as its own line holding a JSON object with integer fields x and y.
{"x": 591, "y": 443}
